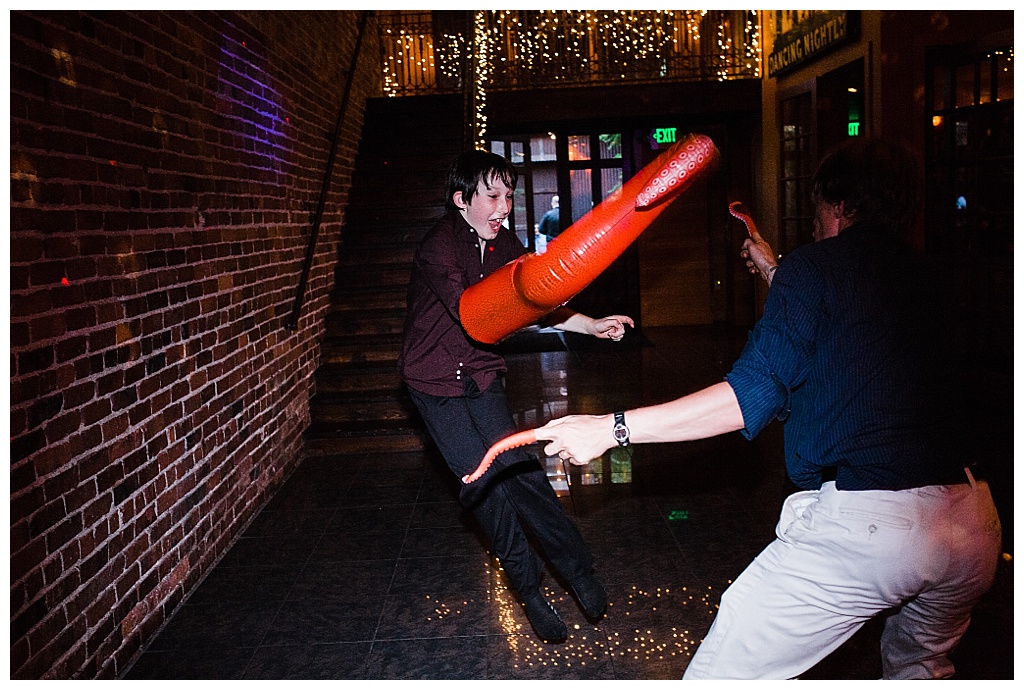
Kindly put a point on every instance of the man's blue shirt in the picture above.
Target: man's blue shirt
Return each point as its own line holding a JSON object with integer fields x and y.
{"x": 844, "y": 355}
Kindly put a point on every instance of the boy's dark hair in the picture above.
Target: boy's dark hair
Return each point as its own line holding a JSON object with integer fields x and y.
{"x": 473, "y": 168}
{"x": 877, "y": 181}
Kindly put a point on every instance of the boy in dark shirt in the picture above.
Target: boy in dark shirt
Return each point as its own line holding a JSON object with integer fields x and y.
{"x": 457, "y": 384}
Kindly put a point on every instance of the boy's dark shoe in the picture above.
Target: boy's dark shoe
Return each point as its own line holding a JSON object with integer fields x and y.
{"x": 544, "y": 618}
{"x": 591, "y": 596}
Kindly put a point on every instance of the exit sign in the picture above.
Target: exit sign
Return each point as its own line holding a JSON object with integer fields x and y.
{"x": 662, "y": 136}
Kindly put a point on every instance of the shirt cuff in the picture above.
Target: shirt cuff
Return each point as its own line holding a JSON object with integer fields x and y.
{"x": 761, "y": 396}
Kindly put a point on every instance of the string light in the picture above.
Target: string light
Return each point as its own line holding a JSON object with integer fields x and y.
{"x": 542, "y": 48}
{"x": 481, "y": 43}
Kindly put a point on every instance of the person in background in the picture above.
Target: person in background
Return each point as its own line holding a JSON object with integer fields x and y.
{"x": 549, "y": 222}
{"x": 457, "y": 384}
{"x": 540, "y": 240}
{"x": 853, "y": 356}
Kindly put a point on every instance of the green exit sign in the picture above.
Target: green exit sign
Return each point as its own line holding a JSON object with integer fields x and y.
{"x": 853, "y": 129}
{"x": 664, "y": 135}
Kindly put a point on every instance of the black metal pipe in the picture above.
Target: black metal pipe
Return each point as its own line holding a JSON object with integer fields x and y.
{"x": 300, "y": 291}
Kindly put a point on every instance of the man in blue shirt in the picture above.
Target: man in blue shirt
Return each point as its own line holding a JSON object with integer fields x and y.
{"x": 848, "y": 355}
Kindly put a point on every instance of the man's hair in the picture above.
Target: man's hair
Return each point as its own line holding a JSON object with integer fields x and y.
{"x": 473, "y": 168}
{"x": 877, "y": 181}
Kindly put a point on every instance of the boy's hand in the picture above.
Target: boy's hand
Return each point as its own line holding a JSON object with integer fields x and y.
{"x": 611, "y": 327}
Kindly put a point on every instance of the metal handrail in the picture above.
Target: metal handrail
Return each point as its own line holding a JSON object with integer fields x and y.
{"x": 300, "y": 290}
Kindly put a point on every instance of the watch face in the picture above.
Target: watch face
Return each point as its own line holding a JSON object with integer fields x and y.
{"x": 620, "y": 432}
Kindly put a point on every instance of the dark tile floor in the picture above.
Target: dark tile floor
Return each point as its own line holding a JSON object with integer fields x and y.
{"x": 368, "y": 568}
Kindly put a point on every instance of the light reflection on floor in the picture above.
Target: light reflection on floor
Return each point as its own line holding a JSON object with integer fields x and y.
{"x": 587, "y": 643}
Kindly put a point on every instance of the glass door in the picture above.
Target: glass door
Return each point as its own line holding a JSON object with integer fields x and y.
{"x": 517, "y": 150}
{"x": 594, "y": 167}
{"x": 796, "y": 167}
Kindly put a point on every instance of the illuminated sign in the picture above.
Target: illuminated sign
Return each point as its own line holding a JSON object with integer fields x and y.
{"x": 662, "y": 136}
{"x": 853, "y": 129}
{"x": 665, "y": 135}
{"x": 819, "y": 33}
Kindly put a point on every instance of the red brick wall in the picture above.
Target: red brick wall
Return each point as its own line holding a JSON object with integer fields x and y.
{"x": 165, "y": 167}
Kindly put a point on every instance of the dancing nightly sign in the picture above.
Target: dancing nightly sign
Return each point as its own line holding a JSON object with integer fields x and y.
{"x": 817, "y": 34}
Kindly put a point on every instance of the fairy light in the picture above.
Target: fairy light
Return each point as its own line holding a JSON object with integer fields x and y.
{"x": 752, "y": 54}
{"x": 449, "y": 54}
{"x": 724, "y": 51}
{"x": 566, "y": 44}
{"x": 516, "y": 48}
{"x": 482, "y": 54}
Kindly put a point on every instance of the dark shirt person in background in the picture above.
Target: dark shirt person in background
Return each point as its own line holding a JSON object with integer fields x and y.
{"x": 458, "y": 386}
{"x": 549, "y": 222}
{"x": 852, "y": 355}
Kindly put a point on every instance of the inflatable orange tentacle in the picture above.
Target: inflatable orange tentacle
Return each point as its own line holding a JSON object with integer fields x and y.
{"x": 747, "y": 220}
{"x": 523, "y": 291}
{"x": 523, "y": 438}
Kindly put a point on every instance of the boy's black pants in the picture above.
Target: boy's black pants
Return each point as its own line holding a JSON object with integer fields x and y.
{"x": 513, "y": 495}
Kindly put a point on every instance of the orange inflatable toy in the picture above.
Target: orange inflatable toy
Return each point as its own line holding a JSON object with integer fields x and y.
{"x": 525, "y": 290}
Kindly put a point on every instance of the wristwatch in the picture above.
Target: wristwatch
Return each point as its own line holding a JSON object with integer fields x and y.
{"x": 620, "y": 431}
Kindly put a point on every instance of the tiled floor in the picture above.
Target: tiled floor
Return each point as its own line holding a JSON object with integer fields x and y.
{"x": 368, "y": 569}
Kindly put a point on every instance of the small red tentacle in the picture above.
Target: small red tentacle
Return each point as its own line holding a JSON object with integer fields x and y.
{"x": 522, "y": 438}
{"x": 747, "y": 220}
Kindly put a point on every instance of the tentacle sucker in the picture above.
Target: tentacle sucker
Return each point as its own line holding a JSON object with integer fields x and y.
{"x": 522, "y": 438}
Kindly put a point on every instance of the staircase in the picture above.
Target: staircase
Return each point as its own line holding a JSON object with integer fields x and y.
{"x": 361, "y": 405}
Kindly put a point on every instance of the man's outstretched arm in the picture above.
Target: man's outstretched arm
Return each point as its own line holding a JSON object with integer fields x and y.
{"x": 706, "y": 413}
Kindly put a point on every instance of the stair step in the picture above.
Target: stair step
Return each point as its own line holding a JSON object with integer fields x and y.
{"x": 347, "y": 299}
{"x": 419, "y": 146}
{"x": 425, "y": 165}
{"x": 361, "y": 406}
{"x": 375, "y": 348}
{"x": 414, "y": 128}
{"x": 421, "y": 182}
{"x": 421, "y": 191}
{"x": 396, "y": 215}
{"x": 371, "y": 322}
{"x": 359, "y": 377}
{"x": 414, "y": 119}
{"x": 364, "y": 445}
{"x": 369, "y": 411}
{"x": 377, "y": 255}
{"x": 366, "y": 276}
{"x": 351, "y": 439}
{"x": 386, "y": 234}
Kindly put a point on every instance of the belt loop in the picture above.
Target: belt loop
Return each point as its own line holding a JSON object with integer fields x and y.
{"x": 970, "y": 477}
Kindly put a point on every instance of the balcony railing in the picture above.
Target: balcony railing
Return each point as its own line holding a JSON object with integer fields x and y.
{"x": 441, "y": 52}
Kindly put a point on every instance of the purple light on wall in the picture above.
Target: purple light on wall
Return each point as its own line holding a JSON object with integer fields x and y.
{"x": 251, "y": 105}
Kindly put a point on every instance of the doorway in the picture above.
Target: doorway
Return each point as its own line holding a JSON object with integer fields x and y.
{"x": 579, "y": 168}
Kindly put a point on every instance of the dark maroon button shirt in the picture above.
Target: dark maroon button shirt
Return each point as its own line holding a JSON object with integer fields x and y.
{"x": 437, "y": 354}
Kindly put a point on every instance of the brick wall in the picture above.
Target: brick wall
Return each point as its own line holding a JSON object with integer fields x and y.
{"x": 165, "y": 167}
